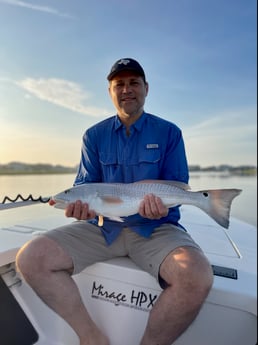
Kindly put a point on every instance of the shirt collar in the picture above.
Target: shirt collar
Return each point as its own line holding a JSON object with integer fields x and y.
{"x": 138, "y": 125}
{"x": 118, "y": 124}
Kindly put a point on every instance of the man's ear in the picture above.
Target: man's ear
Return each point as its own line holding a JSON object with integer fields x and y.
{"x": 146, "y": 88}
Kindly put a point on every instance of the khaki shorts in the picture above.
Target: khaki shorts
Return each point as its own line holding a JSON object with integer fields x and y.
{"x": 86, "y": 245}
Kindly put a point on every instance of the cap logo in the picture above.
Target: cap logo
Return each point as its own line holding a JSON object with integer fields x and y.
{"x": 123, "y": 62}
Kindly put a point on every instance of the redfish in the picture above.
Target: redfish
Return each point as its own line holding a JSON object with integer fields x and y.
{"x": 117, "y": 200}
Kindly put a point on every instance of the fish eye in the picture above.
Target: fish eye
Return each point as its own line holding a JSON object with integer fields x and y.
{"x": 67, "y": 191}
{"x": 205, "y": 194}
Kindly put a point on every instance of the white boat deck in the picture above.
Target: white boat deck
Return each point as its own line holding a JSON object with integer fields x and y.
{"x": 227, "y": 317}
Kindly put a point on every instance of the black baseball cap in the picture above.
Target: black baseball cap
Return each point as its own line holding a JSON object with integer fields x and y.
{"x": 126, "y": 64}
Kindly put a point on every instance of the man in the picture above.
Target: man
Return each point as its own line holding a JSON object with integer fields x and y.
{"x": 128, "y": 147}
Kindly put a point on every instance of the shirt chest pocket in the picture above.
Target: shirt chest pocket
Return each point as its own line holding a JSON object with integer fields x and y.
{"x": 108, "y": 158}
{"x": 135, "y": 157}
{"x": 136, "y": 165}
{"x": 109, "y": 166}
{"x": 147, "y": 157}
{"x": 145, "y": 164}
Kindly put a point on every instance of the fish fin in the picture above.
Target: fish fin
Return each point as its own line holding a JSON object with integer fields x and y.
{"x": 100, "y": 220}
{"x": 111, "y": 199}
{"x": 60, "y": 205}
{"x": 116, "y": 219}
{"x": 178, "y": 184}
{"x": 220, "y": 203}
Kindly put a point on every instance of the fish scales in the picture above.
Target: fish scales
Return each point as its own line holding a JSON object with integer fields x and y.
{"x": 132, "y": 189}
{"x": 116, "y": 200}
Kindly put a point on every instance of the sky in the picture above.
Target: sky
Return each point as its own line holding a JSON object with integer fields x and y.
{"x": 199, "y": 57}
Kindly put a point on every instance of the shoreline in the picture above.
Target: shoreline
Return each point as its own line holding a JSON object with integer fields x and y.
{"x": 211, "y": 173}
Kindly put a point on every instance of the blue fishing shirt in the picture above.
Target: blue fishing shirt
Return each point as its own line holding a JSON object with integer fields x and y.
{"x": 154, "y": 150}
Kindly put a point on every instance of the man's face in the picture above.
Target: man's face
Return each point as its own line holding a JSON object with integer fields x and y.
{"x": 128, "y": 92}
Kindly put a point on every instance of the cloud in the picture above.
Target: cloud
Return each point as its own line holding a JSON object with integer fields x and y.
{"x": 63, "y": 93}
{"x": 225, "y": 123}
{"x": 34, "y": 7}
{"x": 229, "y": 123}
{"x": 228, "y": 137}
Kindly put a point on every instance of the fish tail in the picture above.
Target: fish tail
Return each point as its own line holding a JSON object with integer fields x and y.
{"x": 219, "y": 205}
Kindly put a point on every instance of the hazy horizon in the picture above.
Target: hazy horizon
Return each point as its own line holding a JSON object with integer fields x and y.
{"x": 74, "y": 166}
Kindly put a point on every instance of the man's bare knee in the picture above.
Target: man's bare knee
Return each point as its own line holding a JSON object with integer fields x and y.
{"x": 189, "y": 270}
{"x": 41, "y": 255}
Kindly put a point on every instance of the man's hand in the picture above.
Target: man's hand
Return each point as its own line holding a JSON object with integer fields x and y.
{"x": 77, "y": 210}
{"x": 152, "y": 207}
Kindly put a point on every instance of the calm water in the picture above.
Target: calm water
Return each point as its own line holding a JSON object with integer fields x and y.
{"x": 244, "y": 206}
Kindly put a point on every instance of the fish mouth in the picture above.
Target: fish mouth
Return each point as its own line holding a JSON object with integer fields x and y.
{"x": 60, "y": 203}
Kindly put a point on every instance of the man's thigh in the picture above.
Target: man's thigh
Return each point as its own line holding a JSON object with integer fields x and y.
{"x": 85, "y": 244}
{"x": 149, "y": 253}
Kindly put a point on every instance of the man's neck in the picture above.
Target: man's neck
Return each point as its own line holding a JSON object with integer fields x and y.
{"x": 129, "y": 119}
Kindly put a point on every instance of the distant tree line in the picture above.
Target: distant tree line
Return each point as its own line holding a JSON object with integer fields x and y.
{"x": 236, "y": 170}
{"x": 41, "y": 168}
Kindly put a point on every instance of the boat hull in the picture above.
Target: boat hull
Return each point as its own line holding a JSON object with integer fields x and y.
{"x": 119, "y": 295}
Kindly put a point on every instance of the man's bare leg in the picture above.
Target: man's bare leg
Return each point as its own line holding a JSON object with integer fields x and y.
{"x": 190, "y": 278}
{"x": 47, "y": 268}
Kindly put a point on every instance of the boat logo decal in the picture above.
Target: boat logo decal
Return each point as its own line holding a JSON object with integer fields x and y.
{"x": 135, "y": 298}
